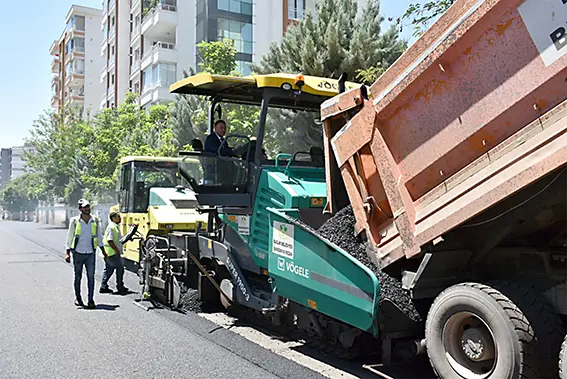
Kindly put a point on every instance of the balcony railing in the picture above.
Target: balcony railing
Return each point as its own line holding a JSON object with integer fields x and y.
{"x": 135, "y": 66}
{"x": 157, "y": 46}
{"x": 295, "y": 13}
{"x": 135, "y": 31}
{"x": 80, "y": 93}
{"x": 160, "y": 6}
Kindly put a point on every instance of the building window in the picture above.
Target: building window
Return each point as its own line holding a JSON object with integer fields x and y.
{"x": 160, "y": 75}
{"x": 240, "y": 32}
{"x": 75, "y": 44}
{"x": 76, "y": 67}
{"x": 243, "y": 67}
{"x": 236, "y": 6}
{"x": 76, "y": 23}
{"x": 296, "y": 9}
{"x": 201, "y": 30}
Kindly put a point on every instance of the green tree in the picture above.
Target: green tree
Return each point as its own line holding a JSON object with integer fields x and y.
{"x": 217, "y": 57}
{"x": 421, "y": 15}
{"x": 23, "y": 193}
{"x": 118, "y": 132}
{"x": 335, "y": 41}
{"x": 54, "y": 140}
{"x": 189, "y": 114}
{"x": 186, "y": 117}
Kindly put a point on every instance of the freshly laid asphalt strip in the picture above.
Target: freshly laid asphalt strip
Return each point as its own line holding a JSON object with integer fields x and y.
{"x": 339, "y": 230}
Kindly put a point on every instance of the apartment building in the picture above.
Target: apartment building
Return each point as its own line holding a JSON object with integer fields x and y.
{"x": 12, "y": 164}
{"x": 115, "y": 26}
{"x": 76, "y": 64}
{"x": 5, "y": 167}
{"x": 164, "y": 34}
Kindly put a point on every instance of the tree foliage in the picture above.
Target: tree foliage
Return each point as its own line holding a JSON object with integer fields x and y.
{"x": 335, "y": 40}
{"x": 421, "y": 15}
{"x": 23, "y": 193}
{"x": 189, "y": 113}
{"x": 76, "y": 157}
{"x": 217, "y": 57}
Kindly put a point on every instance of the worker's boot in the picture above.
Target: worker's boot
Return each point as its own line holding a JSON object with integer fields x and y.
{"x": 91, "y": 305}
{"x": 79, "y": 302}
{"x": 122, "y": 290}
{"x": 105, "y": 290}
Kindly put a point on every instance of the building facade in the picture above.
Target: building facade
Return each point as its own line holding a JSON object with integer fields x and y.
{"x": 12, "y": 164}
{"x": 164, "y": 35}
{"x": 115, "y": 26}
{"x": 76, "y": 62}
{"x": 5, "y": 167}
{"x": 143, "y": 46}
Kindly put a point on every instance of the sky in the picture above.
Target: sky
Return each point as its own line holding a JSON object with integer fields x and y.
{"x": 26, "y": 68}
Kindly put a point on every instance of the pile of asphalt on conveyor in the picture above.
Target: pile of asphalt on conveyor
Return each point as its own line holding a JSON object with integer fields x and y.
{"x": 339, "y": 230}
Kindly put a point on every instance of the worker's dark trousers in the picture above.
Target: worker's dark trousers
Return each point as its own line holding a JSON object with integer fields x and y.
{"x": 112, "y": 263}
{"x": 88, "y": 260}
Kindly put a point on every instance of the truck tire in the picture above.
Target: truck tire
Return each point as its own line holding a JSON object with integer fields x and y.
{"x": 563, "y": 360}
{"x": 496, "y": 331}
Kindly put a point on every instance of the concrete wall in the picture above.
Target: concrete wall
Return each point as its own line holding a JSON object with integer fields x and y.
{"x": 185, "y": 36}
{"x": 268, "y": 26}
{"x": 123, "y": 49}
{"x": 59, "y": 215}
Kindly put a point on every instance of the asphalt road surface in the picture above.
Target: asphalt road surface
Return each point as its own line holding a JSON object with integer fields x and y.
{"x": 44, "y": 335}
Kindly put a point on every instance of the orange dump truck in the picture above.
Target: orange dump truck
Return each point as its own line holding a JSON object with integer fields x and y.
{"x": 454, "y": 162}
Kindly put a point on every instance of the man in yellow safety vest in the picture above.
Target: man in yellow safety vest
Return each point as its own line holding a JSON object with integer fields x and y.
{"x": 83, "y": 238}
{"x": 113, "y": 259}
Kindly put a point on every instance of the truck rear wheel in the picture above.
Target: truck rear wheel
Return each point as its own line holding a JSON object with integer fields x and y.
{"x": 563, "y": 360}
{"x": 502, "y": 331}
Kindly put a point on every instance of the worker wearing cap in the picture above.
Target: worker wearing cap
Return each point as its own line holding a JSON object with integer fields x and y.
{"x": 113, "y": 259}
{"x": 83, "y": 238}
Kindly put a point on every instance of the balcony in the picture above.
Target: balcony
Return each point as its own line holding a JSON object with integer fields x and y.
{"x": 111, "y": 62}
{"x": 75, "y": 99}
{"x": 103, "y": 74}
{"x": 135, "y": 6}
{"x": 75, "y": 78}
{"x": 160, "y": 52}
{"x": 55, "y": 101}
{"x": 295, "y": 14}
{"x": 73, "y": 33}
{"x": 74, "y": 53}
{"x": 54, "y": 49}
{"x": 135, "y": 35}
{"x": 55, "y": 80}
{"x": 135, "y": 69}
{"x": 160, "y": 20}
{"x": 156, "y": 94}
{"x": 55, "y": 65}
{"x": 110, "y": 93}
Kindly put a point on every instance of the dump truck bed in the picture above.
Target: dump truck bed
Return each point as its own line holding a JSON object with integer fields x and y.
{"x": 472, "y": 113}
